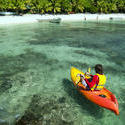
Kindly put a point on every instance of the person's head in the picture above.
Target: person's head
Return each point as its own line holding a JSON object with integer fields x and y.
{"x": 99, "y": 69}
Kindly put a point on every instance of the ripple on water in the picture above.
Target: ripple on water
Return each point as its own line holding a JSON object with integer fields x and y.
{"x": 35, "y": 83}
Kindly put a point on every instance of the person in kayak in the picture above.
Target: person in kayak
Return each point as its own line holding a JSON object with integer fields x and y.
{"x": 97, "y": 81}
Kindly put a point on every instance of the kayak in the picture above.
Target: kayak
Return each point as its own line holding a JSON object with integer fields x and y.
{"x": 103, "y": 98}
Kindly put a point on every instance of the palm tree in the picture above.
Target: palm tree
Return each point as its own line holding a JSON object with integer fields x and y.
{"x": 55, "y": 6}
{"x": 17, "y": 5}
{"x": 80, "y": 6}
{"x": 65, "y": 6}
{"x": 102, "y": 6}
{"x": 121, "y": 5}
{"x": 3, "y": 5}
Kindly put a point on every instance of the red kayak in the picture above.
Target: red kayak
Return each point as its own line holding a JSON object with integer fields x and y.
{"x": 103, "y": 98}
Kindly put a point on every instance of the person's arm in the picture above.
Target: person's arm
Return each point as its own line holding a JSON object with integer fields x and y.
{"x": 94, "y": 81}
{"x": 91, "y": 75}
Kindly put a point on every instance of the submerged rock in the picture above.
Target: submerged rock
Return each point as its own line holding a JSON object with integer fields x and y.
{"x": 50, "y": 111}
{"x": 62, "y": 100}
{"x": 69, "y": 116}
{"x": 6, "y": 118}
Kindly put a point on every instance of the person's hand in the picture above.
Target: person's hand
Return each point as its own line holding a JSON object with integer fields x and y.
{"x": 78, "y": 75}
{"x": 87, "y": 73}
{"x": 76, "y": 82}
{"x": 82, "y": 79}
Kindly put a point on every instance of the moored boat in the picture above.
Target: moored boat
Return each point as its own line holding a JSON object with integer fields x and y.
{"x": 7, "y": 13}
{"x": 43, "y": 20}
{"x": 55, "y": 20}
{"x": 116, "y": 18}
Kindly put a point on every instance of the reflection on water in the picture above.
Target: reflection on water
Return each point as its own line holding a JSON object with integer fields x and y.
{"x": 35, "y": 61}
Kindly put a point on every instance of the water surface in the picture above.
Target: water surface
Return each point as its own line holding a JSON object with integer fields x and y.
{"x": 35, "y": 61}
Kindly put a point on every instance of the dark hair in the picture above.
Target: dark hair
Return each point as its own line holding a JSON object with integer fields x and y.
{"x": 99, "y": 68}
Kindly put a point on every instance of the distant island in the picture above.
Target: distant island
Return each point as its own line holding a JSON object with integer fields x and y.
{"x": 62, "y": 6}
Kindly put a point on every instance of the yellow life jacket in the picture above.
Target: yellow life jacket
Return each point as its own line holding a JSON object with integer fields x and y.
{"x": 100, "y": 85}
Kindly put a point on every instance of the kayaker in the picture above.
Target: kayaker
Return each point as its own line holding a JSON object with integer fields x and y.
{"x": 97, "y": 81}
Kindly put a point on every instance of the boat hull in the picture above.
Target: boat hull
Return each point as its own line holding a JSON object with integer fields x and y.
{"x": 103, "y": 98}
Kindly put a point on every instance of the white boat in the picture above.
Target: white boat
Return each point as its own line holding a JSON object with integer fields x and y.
{"x": 7, "y": 13}
{"x": 55, "y": 20}
{"x": 115, "y": 18}
{"x": 43, "y": 20}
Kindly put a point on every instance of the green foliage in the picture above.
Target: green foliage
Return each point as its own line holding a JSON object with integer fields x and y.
{"x": 63, "y": 6}
{"x": 78, "y": 5}
{"x": 55, "y": 6}
{"x": 4, "y": 5}
{"x": 121, "y": 5}
{"x": 40, "y": 6}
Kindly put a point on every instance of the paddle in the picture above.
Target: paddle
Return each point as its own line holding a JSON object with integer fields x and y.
{"x": 87, "y": 75}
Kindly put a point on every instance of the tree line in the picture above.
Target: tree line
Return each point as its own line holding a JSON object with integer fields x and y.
{"x": 63, "y": 6}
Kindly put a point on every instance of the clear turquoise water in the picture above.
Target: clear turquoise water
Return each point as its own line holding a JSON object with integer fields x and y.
{"x": 35, "y": 61}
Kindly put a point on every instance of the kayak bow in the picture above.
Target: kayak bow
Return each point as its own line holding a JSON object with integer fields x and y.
{"x": 103, "y": 98}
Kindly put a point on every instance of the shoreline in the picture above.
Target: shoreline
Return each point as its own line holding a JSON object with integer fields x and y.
{"x": 31, "y": 18}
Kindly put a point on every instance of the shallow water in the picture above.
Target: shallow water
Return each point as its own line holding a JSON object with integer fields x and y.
{"x": 35, "y": 61}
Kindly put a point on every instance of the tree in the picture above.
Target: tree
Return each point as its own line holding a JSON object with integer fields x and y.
{"x": 102, "y": 6}
{"x": 112, "y": 7}
{"x": 120, "y": 5}
{"x": 17, "y": 5}
{"x": 40, "y": 6}
{"x": 91, "y": 6}
{"x": 65, "y": 6}
{"x": 80, "y": 6}
{"x": 4, "y": 5}
{"x": 55, "y": 5}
